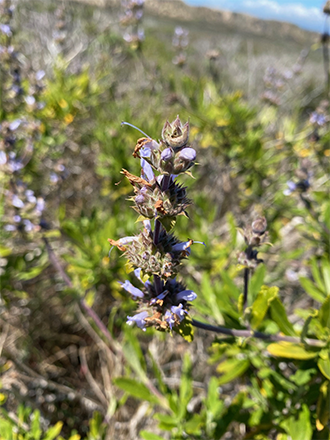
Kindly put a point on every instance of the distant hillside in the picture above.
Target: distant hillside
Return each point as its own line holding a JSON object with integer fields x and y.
{"x": 178, "y": 10}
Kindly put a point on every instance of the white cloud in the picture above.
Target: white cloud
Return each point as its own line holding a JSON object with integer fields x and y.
{"x": 289, "y": 10}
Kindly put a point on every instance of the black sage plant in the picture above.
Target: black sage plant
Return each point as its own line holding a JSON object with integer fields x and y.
{"x": 156, "y": 254}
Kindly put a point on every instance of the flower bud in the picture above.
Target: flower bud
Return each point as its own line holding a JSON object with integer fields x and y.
{"x": 259, "y": 225}
{"x": 184, "y": 160}
{"x": 175, "y": 135}
{"x": 167, "y": 154}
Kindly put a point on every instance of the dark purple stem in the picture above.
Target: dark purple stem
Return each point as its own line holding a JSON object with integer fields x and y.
{"x": 255, "y": 334}
{"x": 157, "y": 281}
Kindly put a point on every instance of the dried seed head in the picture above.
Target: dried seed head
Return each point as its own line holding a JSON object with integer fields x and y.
{"x": 175, "y": 135}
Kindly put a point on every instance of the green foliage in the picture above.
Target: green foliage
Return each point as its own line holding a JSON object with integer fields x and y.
{"x": 165, "y": 388}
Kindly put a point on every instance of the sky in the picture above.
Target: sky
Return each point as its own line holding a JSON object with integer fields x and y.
{"x": 304, "y": 13}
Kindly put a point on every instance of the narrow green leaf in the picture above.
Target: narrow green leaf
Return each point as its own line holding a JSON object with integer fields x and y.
{"x": 135, "y": 388}
{"x": 324, "y": 365}
{"x": 261, "y": 304}
{"x": 317, "y": 275}
{"x": 150, "y": 436}
{"x": 290, "y": 351}
{"x": 54, "y": 431}
{"x": 231, "y": 369}
{"x": 323, "y": 407}
{"x": 325, "y": 268}
{"x": 324, "y": 313}
{"x": 311, "y": 289}
{"x": 278, "y": 315}
{"x": 256, "y": 282}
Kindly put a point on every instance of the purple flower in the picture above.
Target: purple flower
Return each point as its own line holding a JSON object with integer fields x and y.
{"x": 3, "y": 158}
{"x": 134, "y": 291}
{"x": 17, "y": 202}
{"x": 139, "y": 320}
{"x": 15, "y": 124}
{"x": 187, "y": 295}
{"x": 179, "y": 311}
{"x": 291, "y": 188}
{"x": 5, "y": 29}
{"x": 317, "y": 118}
{"x": 187, "y": 154}
{"x": 167, "y": 154}
{"x": 40, "y": 74}
{"x": 168, "y": 317}
{"x": 147, "y": 170}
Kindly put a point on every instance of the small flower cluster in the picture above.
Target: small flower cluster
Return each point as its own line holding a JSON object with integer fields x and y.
{"x": 180, "y": 42}
{"x": 19, "y": 131}
{"x": 302, "y": 182}
{"x": 156, "y": 253}
{"x": 254, "y": 235}
{"x": 24, "y": 210}
{"x": 131, "y": 19}
{"x": 276, "y": 82}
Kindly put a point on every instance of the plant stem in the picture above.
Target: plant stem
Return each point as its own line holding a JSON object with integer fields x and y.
{"x": 246, "y": 287}
{"x": 255, "y": 334}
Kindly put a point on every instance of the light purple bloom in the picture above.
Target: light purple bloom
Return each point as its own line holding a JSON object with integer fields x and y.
{"x": 147, "y": 225}
{"x": 10, "y": 228}
{"x": 139, "y": 199}
{"x": 167, "y": 154}
{"x": 187, "y": 154}
{"x": 3, "y": 158}
{"x": 28, "y": 226}
{"x": 291, "y": 188}
{"x": 40, "y": 206}
{"x": 17, "y": 202}
{"x": 317, "y": 118}
{"x": 5, "y": 29}
{"x": 147, "y": 170}
{"x": 40, "y": 74}
{"x": 15, "y": 124}
{"x": 179, "y": 311}
{"x": 169, "y": 318}
{"x": 134, "y": 291}
{"x": 139, "y": 320}
{"x": 187, "y": 295}
{"x": 160, "y": 296}
{"x": 30, "y": 100}
{"x": 17, "y": 218}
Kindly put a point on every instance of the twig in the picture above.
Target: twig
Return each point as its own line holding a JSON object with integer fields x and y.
{"x": 255, "y": 334}
{"x": 53, "y": 259}
{"x": 90, "y": 379}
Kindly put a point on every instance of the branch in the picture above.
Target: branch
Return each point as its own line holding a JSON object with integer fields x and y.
{"x": 255, "y": 334}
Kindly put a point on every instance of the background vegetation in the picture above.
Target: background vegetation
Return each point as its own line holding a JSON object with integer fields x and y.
{"x": 258, "y": 111}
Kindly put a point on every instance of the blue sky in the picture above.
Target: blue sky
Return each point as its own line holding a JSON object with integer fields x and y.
{"x": 304, "y": 13}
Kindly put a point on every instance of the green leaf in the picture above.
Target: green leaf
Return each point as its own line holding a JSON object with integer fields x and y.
{"x": 231, "y": 369}
{"x": 213, "y": 403}
{"x": 278, "y": 315}
{"x": 35, "y": 425}
{"x": 325, "y": 268}
{"x": 54, "y": 431}
{"x": 324, "y": 365}
{"x": 323, "y": 406}
{"x": 299, "y": 428}
{"x": 256, "y": 282}
{"x": 324, "y": 313}
{"x": 32, "y": 273}
{"x": 167, "y": 422}
{"x": 311, "y": 289}
{"x": 150, "y": 436}
{"x": 135, "y": 389}
{"x": 290, "y": 350}
{"x": 261, "y": 304}
{"x": 5, "y": 251}
{"x": 185, "y": 329}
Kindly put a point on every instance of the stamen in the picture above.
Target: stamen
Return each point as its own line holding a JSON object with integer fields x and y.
{"x": 136, "y": 128}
